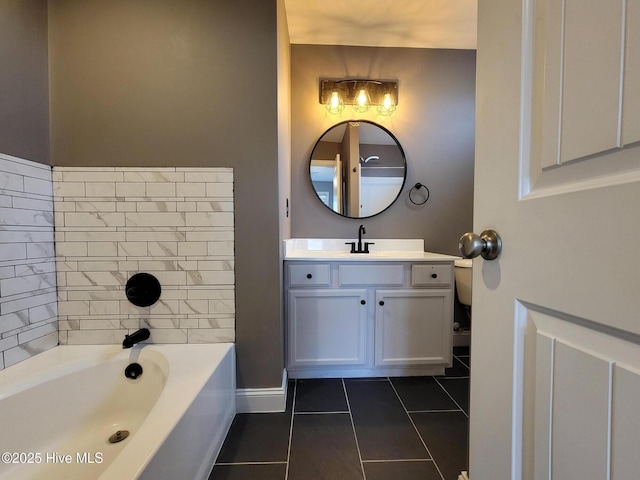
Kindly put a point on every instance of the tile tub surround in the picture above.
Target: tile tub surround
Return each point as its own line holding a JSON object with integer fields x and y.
{"x": 174, "y": 223}
{"x": 28, "y": 311}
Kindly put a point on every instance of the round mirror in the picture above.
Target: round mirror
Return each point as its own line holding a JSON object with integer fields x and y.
{"x": 357, "y": 169}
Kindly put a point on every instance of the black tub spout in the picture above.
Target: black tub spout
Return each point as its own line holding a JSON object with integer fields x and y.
{"x": 136, "y": 337}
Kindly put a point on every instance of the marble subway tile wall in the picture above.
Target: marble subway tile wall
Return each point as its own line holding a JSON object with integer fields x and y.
{"x": 174, "y": 223}
{"x": 28, "y": 311}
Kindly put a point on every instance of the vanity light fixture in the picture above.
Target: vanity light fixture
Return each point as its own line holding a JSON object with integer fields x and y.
{"x": 361, "y": 94}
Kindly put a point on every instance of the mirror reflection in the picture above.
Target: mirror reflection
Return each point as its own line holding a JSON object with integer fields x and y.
{"x": 357, "y": 169}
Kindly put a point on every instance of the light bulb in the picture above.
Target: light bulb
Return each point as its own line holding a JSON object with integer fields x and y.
{"x": 362, "y": 97}
{"x": 335, "y": 104}
{"x": 362, "y": 101}
{"x": 388, "y": 105}
{"x": 335, "y": 100}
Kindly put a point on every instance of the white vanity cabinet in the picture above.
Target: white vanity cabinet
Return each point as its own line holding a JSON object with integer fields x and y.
{"x": 368, "y": 318}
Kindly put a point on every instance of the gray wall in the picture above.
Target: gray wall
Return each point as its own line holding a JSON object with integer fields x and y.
{"x": 434, "y": 123}
{"x": 24, "y": 87}
{"x": 183, "y": 83}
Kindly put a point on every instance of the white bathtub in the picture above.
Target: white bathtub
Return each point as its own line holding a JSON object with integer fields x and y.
{"x": 59, "y": 408}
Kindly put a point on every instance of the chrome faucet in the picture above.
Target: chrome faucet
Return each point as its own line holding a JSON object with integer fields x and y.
{"x": 136, "y": 337}
{"x": 359, "y": 249}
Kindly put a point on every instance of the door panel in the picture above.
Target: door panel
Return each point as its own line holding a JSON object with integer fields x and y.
{"x": 584, "y": 379}
{"x": 625, "y": 431}
{"x": 631, "y": 98}
{"x": 584, "y": 92}
{"x": 592, "y": 41}
{"x": 580, "y": 413}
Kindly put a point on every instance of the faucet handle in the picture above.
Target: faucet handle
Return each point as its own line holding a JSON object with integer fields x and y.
{"x": 366, "y": 246}
{"x": 353, "y": 246}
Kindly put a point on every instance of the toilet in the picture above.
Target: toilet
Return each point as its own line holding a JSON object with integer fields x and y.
{"x": 462, "y": 328}
{"x": 462, "y": 273}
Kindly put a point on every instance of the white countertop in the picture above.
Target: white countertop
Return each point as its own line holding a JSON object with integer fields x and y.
{"x": 336, "y": 249}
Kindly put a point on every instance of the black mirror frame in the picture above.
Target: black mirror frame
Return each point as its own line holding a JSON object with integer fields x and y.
{"x": 404, "y": 157}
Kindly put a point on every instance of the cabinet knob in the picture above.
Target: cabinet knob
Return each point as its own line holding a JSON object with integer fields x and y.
{"x": 381, "y": 303}
{"x": 363, "y": 302}
{"x": 434, "y": 275}
{"x": 309, "y": 275}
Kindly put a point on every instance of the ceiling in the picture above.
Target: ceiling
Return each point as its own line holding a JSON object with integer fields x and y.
{"x": 384, "y": 23}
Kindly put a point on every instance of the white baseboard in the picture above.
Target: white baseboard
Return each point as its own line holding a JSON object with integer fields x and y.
{"x": 262, "y": 400}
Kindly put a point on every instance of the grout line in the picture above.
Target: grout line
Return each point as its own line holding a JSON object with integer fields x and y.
{"x": 322, "y": 413}
{"x": 397, "y": 460}
{"x": 293, "y": 409}
{"x": 366, "y": 379}
{"x": 355, "y": 435}
{"x": 453, "y": 399}
{"x": 250, "y": 463}
{"x": 458, "y": 358}
{"x": 416, "y": 428}
{"x": 436, "y": 411}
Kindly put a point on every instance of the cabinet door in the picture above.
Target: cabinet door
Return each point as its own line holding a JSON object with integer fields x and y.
{"x": 327, "y": 327}
{"x": 413, "y": 327}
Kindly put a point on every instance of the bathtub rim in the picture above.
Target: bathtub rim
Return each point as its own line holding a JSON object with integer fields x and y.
{"x": 60, "y": 361}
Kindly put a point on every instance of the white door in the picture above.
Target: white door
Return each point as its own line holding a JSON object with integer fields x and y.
{"x": 337, "y": 186}
{"x": 555, "y": 385}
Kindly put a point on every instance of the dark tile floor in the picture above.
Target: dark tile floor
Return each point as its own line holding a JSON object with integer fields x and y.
{"x": 374, "y": 429}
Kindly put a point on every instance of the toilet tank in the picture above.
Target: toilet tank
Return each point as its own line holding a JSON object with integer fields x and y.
{"x": 463, "y": 280}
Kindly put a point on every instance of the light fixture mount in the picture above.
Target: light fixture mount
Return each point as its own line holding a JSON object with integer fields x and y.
{"x": 360, "y": 93}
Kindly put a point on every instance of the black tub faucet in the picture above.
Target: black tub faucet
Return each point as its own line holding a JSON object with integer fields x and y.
{"x": 136, "y": 337}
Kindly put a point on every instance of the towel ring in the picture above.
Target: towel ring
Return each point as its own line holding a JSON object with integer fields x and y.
{"x": 417, "y": 188}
